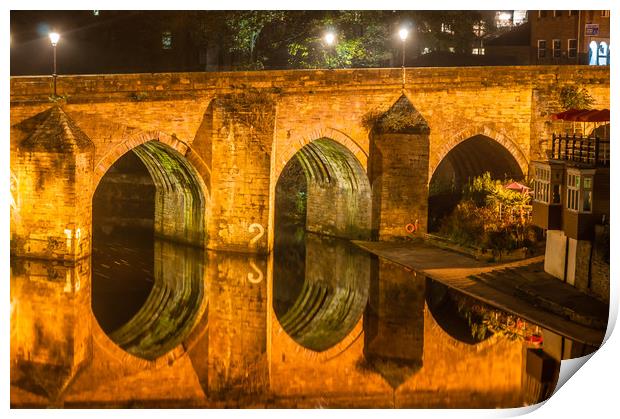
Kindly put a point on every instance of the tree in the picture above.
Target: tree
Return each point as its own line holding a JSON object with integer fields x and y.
{"x": 294, "y": 39}
{"x": 572, "y": 97}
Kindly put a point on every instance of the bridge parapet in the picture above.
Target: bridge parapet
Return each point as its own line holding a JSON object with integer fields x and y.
{"x": 157, "y": 86}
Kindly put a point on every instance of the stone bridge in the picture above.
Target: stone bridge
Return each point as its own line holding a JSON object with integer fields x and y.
{"x": 369, "y": 141}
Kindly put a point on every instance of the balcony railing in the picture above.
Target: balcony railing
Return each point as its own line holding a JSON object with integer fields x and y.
{"x": 588, "y": 150}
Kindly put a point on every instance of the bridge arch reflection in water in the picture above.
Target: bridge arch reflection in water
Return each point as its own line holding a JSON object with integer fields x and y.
{"x": 148, "y": 238}
{"x": 321, "y": 280}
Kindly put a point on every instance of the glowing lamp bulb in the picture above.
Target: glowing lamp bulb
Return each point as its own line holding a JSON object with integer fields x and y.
{"x": 403, "y": 33}
{"x": 54, "y": 38}
{"x": 330, "y": 38}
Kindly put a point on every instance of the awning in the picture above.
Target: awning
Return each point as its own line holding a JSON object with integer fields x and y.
{"x": 516, "y": 186}
{"x": 583, "y": 115}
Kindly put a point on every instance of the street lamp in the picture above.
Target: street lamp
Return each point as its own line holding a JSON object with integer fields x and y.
{"x": 403, "y": 33}
{"x": 54, "y": 38}
{"x": 330, "y": 38}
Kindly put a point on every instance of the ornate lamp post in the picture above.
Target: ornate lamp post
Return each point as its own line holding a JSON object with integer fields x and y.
{"x": 54, "y": 38}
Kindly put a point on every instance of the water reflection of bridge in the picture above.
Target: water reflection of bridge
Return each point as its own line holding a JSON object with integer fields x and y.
{"x": 355, "y": 331}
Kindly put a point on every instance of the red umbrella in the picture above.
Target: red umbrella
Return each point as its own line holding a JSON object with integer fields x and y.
{"x": 516, "y": 186}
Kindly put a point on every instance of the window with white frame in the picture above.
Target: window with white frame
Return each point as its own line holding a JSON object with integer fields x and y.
{"x": 557, "y": 48}
{"x": 542, "y": 48}
{"x": 542, "y": 182}
{"x": 605, "y": 13}
{"x": 573, "y": 186}
{"x": 572, "y": 48}
{"x": 587, "y": 194}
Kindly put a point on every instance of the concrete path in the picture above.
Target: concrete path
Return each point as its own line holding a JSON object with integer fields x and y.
{"x": 521, "y": 288}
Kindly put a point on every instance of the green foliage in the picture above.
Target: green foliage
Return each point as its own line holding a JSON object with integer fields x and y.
{"x": 399, "y": 118}
{"x": 572, "y": 97}
{"x": 252, "y": 107}
{"x": 485, "y": 321}
{"x": 360, "y": 41}
{"x": 364, "y": 38}
{"x": 490, "y": 217}
{"x": 485, "y": 191}
{"x": 301, "y": 203}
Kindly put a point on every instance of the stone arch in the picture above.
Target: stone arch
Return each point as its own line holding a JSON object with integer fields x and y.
{"x": 446, "y": 315}
{"x": 150, "y": 204}
{"x": 287, "y": 152}
{"x": 301, "y": 353}
{"x": 472, "y": 131}
{"x": 318, "y": 294}
{"x": 441, "y": 336}
{"x": 333, "y": 171}
{"x": 470, "y": 153}
{"x": 111, "y": 156}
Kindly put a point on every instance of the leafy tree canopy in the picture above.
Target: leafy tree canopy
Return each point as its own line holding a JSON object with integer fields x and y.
{"x": 295, "y": 39}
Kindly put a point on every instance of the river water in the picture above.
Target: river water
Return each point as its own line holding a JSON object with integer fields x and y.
{"x": 318, "y": 323}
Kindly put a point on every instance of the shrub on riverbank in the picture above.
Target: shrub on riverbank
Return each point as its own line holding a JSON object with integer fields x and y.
{"x": 490, "y": 216}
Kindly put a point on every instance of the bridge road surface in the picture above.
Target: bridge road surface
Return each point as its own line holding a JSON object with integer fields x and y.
{"x": 555, "y": 305}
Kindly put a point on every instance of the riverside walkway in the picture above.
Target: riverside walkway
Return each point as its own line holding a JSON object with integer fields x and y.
{"x": 521, "y": 288}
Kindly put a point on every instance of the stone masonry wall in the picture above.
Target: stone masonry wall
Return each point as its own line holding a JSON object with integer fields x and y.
{"x": 118, "y": 112}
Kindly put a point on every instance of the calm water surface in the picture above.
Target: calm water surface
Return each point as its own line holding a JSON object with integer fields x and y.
{"x": 319, "y": 323}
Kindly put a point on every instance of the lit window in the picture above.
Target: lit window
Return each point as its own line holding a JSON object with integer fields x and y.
{"x": 166, "y": 40}
{"x": 603, "y": 52}
{"x": 542, "y": 48}
{"x": 503, "y": 19}
{"x": 593, "y": 53}
{"x": 605, "y": 13}
{"x": 573, "y": 191}
{"x": 451, "y": 49}
{"x": 426, "y": 50}
{"x": 479, "y": 28}
{"x": 557, "y": 48}
{"x": 95, "y": 12}
{"x": 446, "y": 28}
{"x": 542, "y": 183}
{"x": 519, "y": 17}
{"x": 572, "y": 48}
{"x": 477, "y": 51}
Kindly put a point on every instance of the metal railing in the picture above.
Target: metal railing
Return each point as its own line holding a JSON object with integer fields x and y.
{"x": 588, "y": 150}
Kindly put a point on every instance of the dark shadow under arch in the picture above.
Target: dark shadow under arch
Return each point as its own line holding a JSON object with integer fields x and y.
{"x": 445, "y": 311}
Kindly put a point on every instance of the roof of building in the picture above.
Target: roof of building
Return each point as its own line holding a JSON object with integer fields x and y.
{"x": 53, "y": 131}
